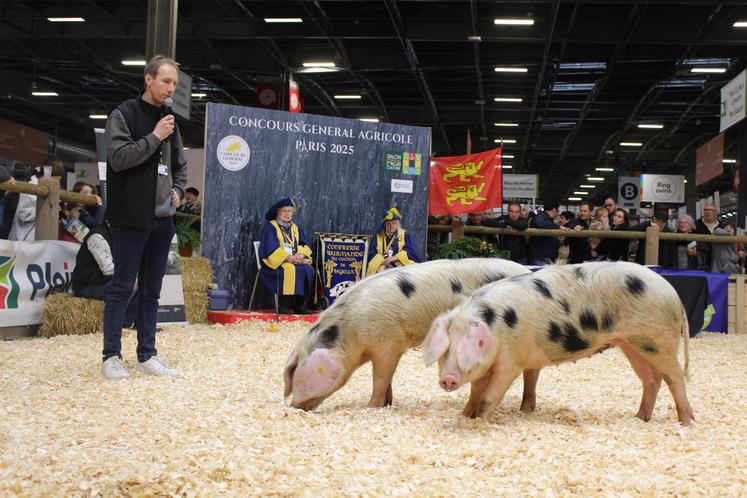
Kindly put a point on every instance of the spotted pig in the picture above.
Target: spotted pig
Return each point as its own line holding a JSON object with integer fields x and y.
{"x": 378, "y": 320}
{"x": 559, "y": 314}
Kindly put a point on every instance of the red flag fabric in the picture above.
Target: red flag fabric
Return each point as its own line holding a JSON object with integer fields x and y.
{"x": 465, "y": 184}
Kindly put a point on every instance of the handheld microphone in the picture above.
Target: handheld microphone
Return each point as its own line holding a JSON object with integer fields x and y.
{"x": 166, "y": 110}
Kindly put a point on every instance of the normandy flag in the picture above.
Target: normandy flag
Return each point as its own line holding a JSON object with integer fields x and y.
{"x": 465, "y": 184}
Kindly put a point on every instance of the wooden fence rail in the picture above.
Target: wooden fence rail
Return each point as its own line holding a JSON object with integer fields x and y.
{"x": 652, "y": 235}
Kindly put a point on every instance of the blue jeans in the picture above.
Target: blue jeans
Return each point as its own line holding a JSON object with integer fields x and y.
{"x": 139, "y": 253}
{"x": 100, "y": 291}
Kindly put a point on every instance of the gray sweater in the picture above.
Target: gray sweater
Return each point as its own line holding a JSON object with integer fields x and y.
{"x": 724, "y": 257}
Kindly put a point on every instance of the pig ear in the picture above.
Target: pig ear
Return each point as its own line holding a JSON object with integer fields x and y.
{"x": 476, "y": 347}
{"x": 316, "y": 375}
{"x": 437, "y": 341}
{"x": 290, "y": 369}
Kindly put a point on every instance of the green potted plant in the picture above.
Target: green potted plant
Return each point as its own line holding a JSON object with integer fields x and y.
{"x": 186, "y": 234}
{"x": 470, "y": 247}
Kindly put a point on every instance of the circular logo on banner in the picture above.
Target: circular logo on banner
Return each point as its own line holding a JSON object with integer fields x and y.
{"x": 233, "y": 153}
{"x": 294, "y": 101}
{"x": 665, "y": 188}
{"x": 267, "y": 96}
{"x": 628, "y": 191}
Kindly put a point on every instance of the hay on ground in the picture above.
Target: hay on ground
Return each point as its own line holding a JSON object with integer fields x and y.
{"x": 197, "y": 275}
{"x": 64, "y": 314}
{"x": 223, "y": 428}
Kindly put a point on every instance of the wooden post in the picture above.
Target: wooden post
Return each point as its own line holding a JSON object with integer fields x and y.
{"x": 48, "y": 211}
{"x": 652, "y": 246}
{"x": 457, "y": 229}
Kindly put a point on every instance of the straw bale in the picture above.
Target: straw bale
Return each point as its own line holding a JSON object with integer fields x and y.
{"x": 223, "y": 428}
{"x": 197, "y": 276}
{"x": 64, "y": 314}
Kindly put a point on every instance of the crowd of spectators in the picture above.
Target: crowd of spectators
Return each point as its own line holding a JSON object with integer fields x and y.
{"x": 681, "y": 254}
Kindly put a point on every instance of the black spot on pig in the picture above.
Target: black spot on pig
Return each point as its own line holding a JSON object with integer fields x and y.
{"x": 406, "y": 286}
{"x": 564, "y": 304}
{"x": 542, "y": 288}
{"x": 635, "y": 285}
{"x": 580, "y": 273}
{"x": 328, "y": 338}
{"x": 456, "y": 286}
{"x": 488, "y": 315}
{"x": 608, "y": 322}
{"x": 509, "y": 316}
{"x": 492, "y": 277}
{"x": 554, "y": 333}
{"x": 588, "y": 320}
{"x": 644, "y": 344}
{"x": 572, "y": 342}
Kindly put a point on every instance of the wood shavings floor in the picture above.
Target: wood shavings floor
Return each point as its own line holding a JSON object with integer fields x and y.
{"x": 223, "y": 428}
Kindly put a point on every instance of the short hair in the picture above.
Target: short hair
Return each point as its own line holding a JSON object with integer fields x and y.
{"x": 58, "y": 169}
{"x": 156, "y": 62}
{"x": 688, "y": 219}
{"x": 550, "y": 204}
{"x": 567, "y": 215}
{"x": 79, "y": 186}
{"x": 587, "y": 203}
{"x": 513, "y": 203}
{"x": 193, "y": 190}
{"x": 661, "y": 216}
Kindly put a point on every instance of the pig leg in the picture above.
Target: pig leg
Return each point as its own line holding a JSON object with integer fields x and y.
{"x": 529, "y": 398}
{"x": 503, "y": 376}
{"x": 650, "y": 379}
{"x": 675, "y": 379}
{"x": 477, "y": 388}
{"x": 384, "y": 366}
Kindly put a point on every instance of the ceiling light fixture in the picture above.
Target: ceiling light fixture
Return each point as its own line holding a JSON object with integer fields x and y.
{"x": 199, "y": 95}
{"x": 574, "y": 198}
{"x": 45, "y": 94}
{"x": 474, "y": 38}
{"x": 282, "y": 19}
{"x": 507, "y": 156}
{"x": 631, "y": 144}
{"x": 97, "y": 116}
{"x": 65, "y": 19}
{"x": 505, "y": 140}
{"x": 348, "y": 97}
{"x": 740, "y": 24}
{"x": 581, "y": 192}
{"x": 318, "y": 64}
{"x": 507, "y": 166}
{"x": 510, "y": 69}
{"x": 595, "y": 179}
{"x": 729, "y": 161}
{"x": 508, "y": 99}
{"x": 604, "y": 169}
{"x": 587, "y": 186}
{"x": 708, "y": 70}
{"x": 133, "y": 62}
{"x": 513, "y": 22}
{"x": 369, "y": 120}
{"x": 652, "y": 126}
{"x": 506, "y": 124}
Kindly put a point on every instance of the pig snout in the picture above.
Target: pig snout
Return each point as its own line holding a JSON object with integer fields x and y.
{"x": 449, "y": 382}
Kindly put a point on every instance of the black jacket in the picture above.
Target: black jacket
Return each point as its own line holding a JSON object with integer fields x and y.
{"x": 135, "y": 190}
{"x": 578, "y": 247}
{"x": 87, "y": 271}
{"x": 543, "y": 249}
{"x": 515, "y": 244}
{"x": 614, "y": 249}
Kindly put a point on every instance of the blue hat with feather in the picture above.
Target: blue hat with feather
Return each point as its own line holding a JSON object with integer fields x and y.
{"x": 272, "y": 213}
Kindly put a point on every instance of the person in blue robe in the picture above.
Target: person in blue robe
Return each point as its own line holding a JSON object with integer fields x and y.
{"x": 392, "y": 246}
{"x": 285, "y": 253}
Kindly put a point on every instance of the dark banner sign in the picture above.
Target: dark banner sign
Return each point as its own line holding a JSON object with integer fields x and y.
{"x": 343, "y": 174}
{"x": 343, "y": 262}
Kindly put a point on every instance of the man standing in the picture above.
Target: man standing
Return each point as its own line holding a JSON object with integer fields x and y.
{"x": 706, "y": 225}
{"x": 146, "y": 176}
{"x": 578, "y": 248}
{"x": 544, "y": 250}
{"x": 514, "y": 223}
{"x": 610, "y": 204}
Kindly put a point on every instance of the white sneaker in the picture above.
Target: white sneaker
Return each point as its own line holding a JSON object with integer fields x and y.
{"x": 156, "y": 366}
{"x": 114, "y": 369}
